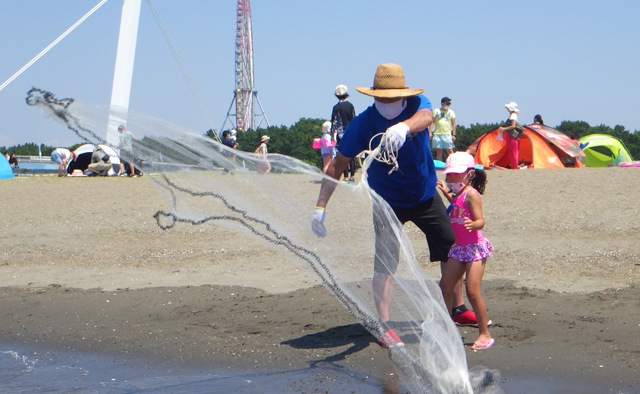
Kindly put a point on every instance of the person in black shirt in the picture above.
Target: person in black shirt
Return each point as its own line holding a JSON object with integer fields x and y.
{"x": 227, "y": 140}
{"x": 342, "y": 114}
{"x": 231, "y": 143}
{"x": 13, "y": 161}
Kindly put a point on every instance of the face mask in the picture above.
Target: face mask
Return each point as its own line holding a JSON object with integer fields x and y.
{"x": 458, "y": 186}
{"x": 391, "y": 111}
{"x": 446, "y": 107}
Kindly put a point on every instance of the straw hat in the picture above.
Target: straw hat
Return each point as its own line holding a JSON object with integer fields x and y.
{"x": 389, "y": 82}
{"x": 265, "y": 138}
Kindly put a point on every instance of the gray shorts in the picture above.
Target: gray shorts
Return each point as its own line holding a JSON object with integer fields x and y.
{"x": 55, "y": 157}
{"x": 442, "y": 141}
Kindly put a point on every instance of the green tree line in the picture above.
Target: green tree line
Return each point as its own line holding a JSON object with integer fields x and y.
{"x": 297, "y": 140}
{"x": 28, "y": 149}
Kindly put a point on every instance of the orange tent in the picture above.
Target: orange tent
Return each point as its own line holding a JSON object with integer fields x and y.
{"x": 540, "y": 147}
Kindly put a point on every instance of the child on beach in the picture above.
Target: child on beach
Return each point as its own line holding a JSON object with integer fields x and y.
{"x": 328, "y": 146}
{"x": 469, "y": 253}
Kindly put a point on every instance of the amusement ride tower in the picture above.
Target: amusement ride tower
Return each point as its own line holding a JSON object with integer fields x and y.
{"x": 244, "y": 95}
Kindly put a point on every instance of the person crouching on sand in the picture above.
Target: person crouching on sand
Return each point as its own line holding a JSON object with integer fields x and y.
{"x": 469, "y": 253}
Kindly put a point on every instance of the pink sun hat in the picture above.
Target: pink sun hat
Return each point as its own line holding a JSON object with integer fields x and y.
{"x": 459, "y": 162}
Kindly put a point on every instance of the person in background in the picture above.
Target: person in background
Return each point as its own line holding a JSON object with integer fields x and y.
{"x": 443, "y": 128}
{"x": 231, "y": 143}
{"x": 513, "y": 135}
{"x": 341, "y": 116}
{"x": 100, "y": 163}
{"x": 126, "y": 146}
{"x": 7, "y": 156}
{"x": 62, "y": 157}
{"x": 13, "y": 161}
{"x": 234, "y": 137}
{"x": 264, "y": 167}
{"x": 403, "y": 116}
{"x": 538, "y": 120}
{"x": 327, "y": 147}
{"x": 227, "y": 140}
{"x": 574, "y": 138}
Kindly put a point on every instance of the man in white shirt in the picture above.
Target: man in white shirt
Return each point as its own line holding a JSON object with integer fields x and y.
{"x": 62, "y": 157}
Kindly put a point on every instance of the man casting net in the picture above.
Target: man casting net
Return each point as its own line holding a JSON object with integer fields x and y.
{"x": 368, "y": 264}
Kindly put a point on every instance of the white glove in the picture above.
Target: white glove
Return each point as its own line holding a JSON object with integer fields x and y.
{"x": 395, "y": 137}
{"x": 317, "y": 222}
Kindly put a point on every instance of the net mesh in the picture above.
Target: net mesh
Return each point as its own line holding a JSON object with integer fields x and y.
{"x": 206, "y": 183}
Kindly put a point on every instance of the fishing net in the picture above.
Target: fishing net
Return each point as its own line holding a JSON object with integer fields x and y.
{"x": 272, "y": 198}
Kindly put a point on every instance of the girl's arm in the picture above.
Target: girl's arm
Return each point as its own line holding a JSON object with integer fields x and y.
{"x": 440, "y": 185}
{"x": 474, "y": 201}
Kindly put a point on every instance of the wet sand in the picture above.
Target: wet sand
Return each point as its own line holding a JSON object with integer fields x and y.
{"x": 85, "y": 267}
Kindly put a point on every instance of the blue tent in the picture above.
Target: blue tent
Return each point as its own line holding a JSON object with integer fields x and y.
{"x": 5, "y": 169}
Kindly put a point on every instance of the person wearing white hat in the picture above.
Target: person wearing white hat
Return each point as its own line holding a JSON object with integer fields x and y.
{"x": 341, "y": 116}
{"x": 234, "y": 137}
{"x": 327, "y": 145}
{"x": 227, "y": 140}
{"x": 403, "y": 115}
{"x": 513, "y": 134}
{"x": 264, "y": 167}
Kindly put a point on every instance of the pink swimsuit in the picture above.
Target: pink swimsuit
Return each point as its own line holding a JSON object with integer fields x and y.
{"x": 470, "y": 245}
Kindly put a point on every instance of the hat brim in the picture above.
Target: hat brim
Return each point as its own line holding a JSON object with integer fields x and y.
{"x": 388, "y": 93}
{"x": 457, "y": 169}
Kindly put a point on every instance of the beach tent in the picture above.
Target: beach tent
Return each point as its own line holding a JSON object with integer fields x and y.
{"x": 540, "y": 147}
{"x": 5, "y": 169}
{"x": 603, "y": 150}
{"x": 83, "y": 159}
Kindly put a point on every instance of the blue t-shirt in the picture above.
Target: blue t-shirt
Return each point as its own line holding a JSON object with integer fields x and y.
{"x": 415, "y": 182}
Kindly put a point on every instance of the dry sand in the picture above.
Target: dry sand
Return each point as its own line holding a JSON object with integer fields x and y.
{"x": 85, "y": 267}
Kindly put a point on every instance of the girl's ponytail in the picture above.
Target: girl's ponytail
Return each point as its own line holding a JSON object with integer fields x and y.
{"x": 479, "y": 181}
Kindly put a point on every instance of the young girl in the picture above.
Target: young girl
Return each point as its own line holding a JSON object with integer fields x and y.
{"x": 264, "y": 167}
{"x": 328, "y": 145}
{"x": 471, "y": 249}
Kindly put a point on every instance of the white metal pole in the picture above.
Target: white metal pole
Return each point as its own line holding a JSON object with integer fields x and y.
{"x": 123, "y": 73}
{"x": 57, "y": 40}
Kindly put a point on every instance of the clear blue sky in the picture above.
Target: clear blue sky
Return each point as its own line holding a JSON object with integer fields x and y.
{"x": 564, "y": 59}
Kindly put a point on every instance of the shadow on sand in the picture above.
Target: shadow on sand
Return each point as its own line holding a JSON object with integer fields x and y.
{"x": 352, "y": 334}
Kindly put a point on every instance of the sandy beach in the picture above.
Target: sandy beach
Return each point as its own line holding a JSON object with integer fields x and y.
{"x": 85, "y": 267}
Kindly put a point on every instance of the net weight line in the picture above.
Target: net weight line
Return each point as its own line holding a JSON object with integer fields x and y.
{"x": 302, "y": 253}
{"x": 59, "y": 107}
